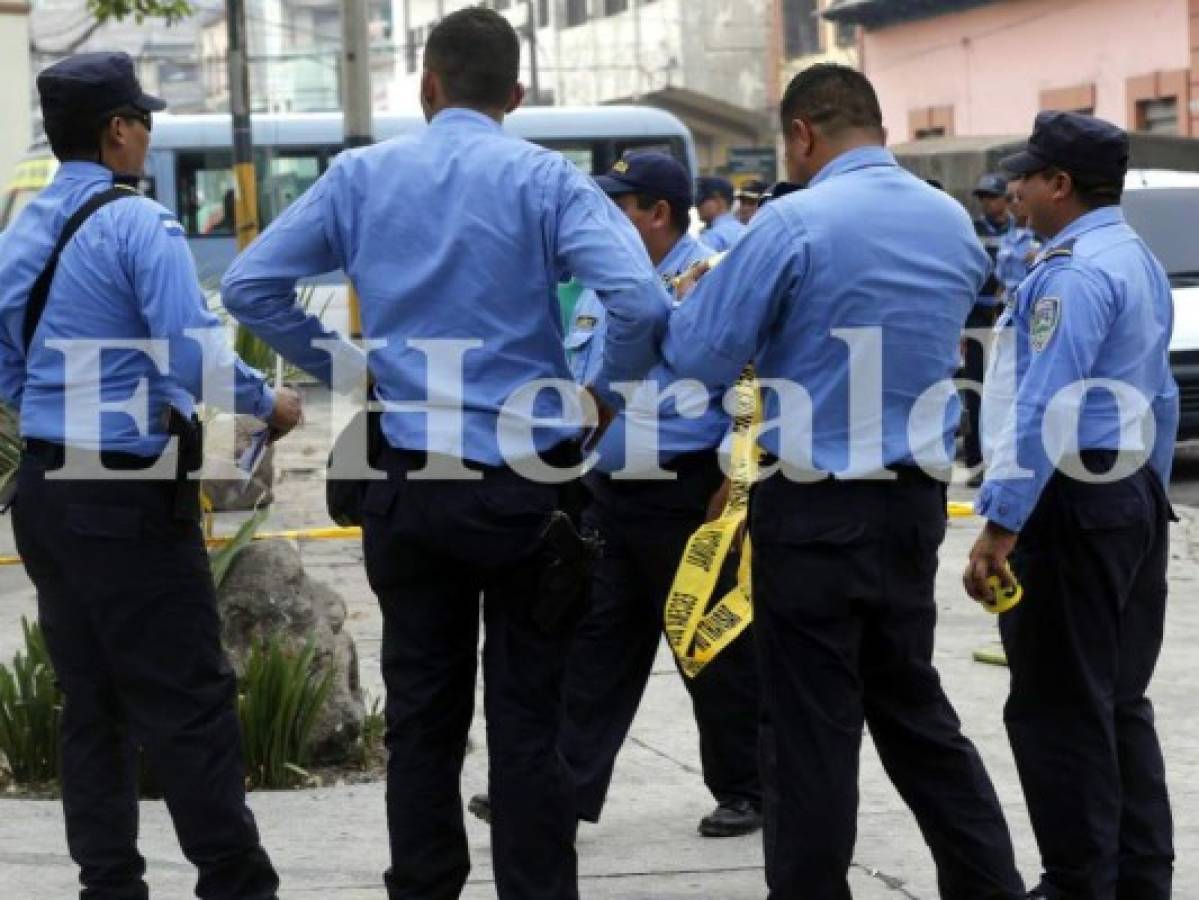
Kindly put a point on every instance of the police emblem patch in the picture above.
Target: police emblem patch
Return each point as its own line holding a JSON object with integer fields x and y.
{"x": 1046, "y": 313}
{"x": 585, "y": 323}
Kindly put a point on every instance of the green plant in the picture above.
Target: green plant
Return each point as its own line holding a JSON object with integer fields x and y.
{"x": 370, "y": 742}
{"x": 222, "y": 559}
{"x": 30, "y": 710}
{"x": 10, "y": 445}
{"x": 280, "y": 697}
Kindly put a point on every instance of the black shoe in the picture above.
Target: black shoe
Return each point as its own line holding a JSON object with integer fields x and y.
{"x": 976, "y": 480}
{"x": 480, "y": 807}
{"x": 730, "y": 819}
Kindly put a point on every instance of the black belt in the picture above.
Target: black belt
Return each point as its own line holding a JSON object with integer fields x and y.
{"x": 53, "y": 455}
{"x": 904, "y": 474}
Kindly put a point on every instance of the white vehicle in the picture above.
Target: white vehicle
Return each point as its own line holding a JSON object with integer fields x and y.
{"x": 1163, "y": 207}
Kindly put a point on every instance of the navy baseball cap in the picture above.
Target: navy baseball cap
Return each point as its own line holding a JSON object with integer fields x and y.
{"x": 648, "y": 172}
{"x": 92, "y": 84}
{"x": 991, "y": 185}
{"x": 1081, "y": 145}
{"x": 710, "y": 186}
{"x": 752, "y": 189}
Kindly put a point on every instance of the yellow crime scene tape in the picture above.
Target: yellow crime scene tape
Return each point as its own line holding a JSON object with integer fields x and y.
{"x": 697, "y": 634}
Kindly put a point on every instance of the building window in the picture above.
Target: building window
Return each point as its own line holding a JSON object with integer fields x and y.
{"x": 543, "y": 13}
{"x": 1158, "y": 116}
{"x": 576, "y": 13}
{"x": 930, "y": 122}
{"x": 411, "y": 46}
{"x": 502, "y": 4}
{"x": 801, "y": 28}
{"x": 612, "y": 7}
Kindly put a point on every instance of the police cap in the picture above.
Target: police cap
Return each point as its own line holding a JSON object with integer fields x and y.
{"x": 90, "y": 85}
{"x": 1090, "y": 148}
{"x": 991, "y": 185}
{"x": 754, "y": 189}
{"x": 710, "y": 186}
{"x": 651, "y": 173}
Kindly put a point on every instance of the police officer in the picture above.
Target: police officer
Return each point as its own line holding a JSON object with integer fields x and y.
{"x": 1018, "y": 248}
{"x": 125, "y": 595}
{"x": 844, "y": 566}
{"x": 749, "y": 197}
{"x": 644, "y": 524}
{"x": 991, "y": 227}
{"x": 513, "y": 218}
{"x": 1075, "y": 496}
{"x": 714, "y": 203}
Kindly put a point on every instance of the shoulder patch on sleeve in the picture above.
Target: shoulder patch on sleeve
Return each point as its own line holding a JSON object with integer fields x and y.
{"x": 1046, "y": 313}
{"x": 170, "y": 224}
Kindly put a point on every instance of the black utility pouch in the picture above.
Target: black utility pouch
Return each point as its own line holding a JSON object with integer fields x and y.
{"x": 344, "y": 496}
{"x": 564, "y": 590}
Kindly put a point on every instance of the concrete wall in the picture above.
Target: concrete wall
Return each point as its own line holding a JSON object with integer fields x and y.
{"x": 984, "y": 71}
{"x": 14, "y": 87}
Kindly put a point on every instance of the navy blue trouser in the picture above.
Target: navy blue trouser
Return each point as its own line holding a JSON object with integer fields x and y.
{"x": 432, "y": 548}
{"x": 127, "y": 605}
{"x": 644, "y": 526}
{"x": 1082, "y": 647}
{"x": 844, "y": 617}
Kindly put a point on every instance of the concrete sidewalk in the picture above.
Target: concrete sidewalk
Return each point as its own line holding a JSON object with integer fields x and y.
{"x": 331, "y": 843}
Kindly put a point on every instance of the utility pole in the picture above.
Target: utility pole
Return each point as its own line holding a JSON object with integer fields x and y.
{"x": 246, "y": 188}
{"x": 531, "y": 32}
{"x": 356, "y": 102}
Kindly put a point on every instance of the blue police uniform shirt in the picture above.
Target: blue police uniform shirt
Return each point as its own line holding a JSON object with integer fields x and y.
{"x": 1013, "y": 259}
{"x": 724, "y": 231}
{"x": 1097, "y": 305}
{"x": 459, "y": 232}
{"x": 126, "y": 274}
{"x": 991, "y": 236}
{"x": 677, "y": 434}
{"x": 866, "y": 246}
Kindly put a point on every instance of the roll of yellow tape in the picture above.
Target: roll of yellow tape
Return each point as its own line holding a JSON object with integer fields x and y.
{"x": 1003, "y": 598}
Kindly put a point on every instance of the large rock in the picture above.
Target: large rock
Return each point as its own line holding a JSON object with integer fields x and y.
{"x": 229, "y": 489}
{"x": 267, "y": 593}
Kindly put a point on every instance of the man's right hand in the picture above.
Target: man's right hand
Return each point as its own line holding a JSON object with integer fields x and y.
{"x": 287, "y": 414}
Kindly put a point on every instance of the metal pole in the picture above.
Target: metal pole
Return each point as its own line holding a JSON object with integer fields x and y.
{"x": 356, "y": 103}
{"x": 246, "y": 189}
{"x": 531, "y": 29}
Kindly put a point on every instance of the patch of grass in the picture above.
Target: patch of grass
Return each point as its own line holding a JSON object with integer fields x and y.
{"x": 30, "y": 711}
{"x": 369, "y": 751}
{"x": 278, "y": 703}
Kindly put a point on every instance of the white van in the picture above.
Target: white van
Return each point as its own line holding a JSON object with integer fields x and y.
{"x": 1163, "y": 207}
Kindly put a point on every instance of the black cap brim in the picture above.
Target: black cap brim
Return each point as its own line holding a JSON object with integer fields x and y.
{"x": 150, "y": 103}
{"x": 614, "y": 187}
{"x": 1023, "y": 163}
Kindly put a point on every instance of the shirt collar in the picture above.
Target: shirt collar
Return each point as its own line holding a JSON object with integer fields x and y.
{"x": 461, "y": 116}
{"x": 81, "y": 170}
{"x": 1096, "y": 218}
{"x": 852, "y": 160}
{"x": 674, "y": 261}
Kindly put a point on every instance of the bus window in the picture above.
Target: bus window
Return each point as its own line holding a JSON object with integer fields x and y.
{"x": 206, "y": 186}
{"x": 581, "y": 153}
{"x": 669, "y": 146}
{"x": 204, "y": 183}
{"x": 282, "y": 176}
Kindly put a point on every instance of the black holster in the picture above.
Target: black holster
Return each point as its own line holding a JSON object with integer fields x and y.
{"x": 564, "y": 589}
{"x": 190, "y": 434}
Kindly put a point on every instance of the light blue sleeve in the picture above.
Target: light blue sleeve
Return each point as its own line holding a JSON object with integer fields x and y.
{"x": 595, "y": 242}
{"x": 722, "y": 324}
{"x": 163, "y": 275}
{"x": 259, "y": 289}
{"x": 1085, "y": 312}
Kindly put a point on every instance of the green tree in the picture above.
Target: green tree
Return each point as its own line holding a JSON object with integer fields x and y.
{"x": 171, "y": 10}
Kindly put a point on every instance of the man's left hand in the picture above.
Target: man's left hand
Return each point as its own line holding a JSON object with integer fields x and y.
{"x": 989, "y": 558}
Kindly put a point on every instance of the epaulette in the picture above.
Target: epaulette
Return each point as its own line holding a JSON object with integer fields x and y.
{"x": 1063, "y": 251}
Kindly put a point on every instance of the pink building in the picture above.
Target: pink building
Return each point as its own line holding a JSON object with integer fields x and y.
{"x": 973, "y": 67}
